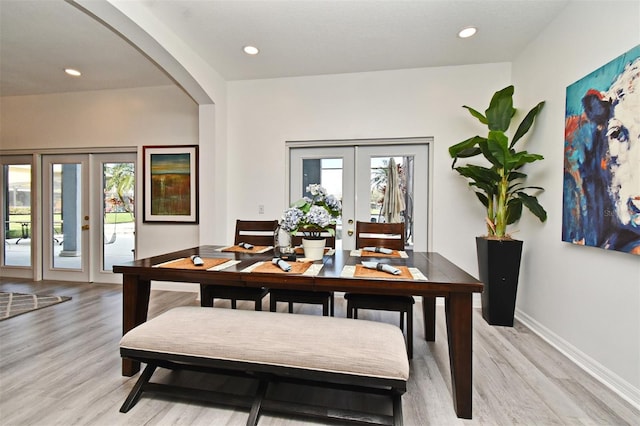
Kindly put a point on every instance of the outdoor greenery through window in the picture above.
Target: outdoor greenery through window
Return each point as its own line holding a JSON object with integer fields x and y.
{"x": 118, "y": 213}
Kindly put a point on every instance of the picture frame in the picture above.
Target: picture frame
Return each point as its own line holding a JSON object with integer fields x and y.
{"x": 170, "y": 184}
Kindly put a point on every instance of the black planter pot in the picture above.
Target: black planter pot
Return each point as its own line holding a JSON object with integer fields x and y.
{"x": 499, "y": 267}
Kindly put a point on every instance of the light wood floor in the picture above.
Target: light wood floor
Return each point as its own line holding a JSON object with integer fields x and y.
{"x": 61, "y": 366}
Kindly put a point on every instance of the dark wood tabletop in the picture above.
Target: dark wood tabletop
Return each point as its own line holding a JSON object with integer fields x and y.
{"x": 443, "y": 279}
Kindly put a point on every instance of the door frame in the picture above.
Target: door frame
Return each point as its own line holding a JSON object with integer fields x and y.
{"x": 86, "y": 219}
{"x": 7, "y": 159}
{"x": 96, "y": 201}
{"x": 36, "y": 269}
{"x": 426, "y": 140}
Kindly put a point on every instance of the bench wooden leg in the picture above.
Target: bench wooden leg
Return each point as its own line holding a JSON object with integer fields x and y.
{"x": 332, "y": 308}
{"x": 397, "y": 410}
{"x": 273, "y": 304}
{"x": 135, "y": 393}
{"x": 410, "y": 331}
{"x": 254, "y": 414}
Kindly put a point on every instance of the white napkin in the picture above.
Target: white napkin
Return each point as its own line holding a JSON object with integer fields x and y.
{"x": 381, "y": 267}
{"x": 379, "y": 250}
{"x": 197, "y": 261}
{"x": 246, "y": 246}
{"x": 281, "y": 264}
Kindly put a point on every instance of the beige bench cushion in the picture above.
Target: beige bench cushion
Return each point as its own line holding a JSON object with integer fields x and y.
{"x": 329, "y": 344}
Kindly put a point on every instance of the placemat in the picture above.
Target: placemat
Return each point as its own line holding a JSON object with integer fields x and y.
{"x": 362, "y": 272}
{"x": 296, "y": 268}
{"x": 366, "y": 253}
{"x": 238, "y": 249}
{"x": 186, "y": 263}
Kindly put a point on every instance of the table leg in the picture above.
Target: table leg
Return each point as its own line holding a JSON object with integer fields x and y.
{"x": 429, "y": 313}
{"x": 135, "y": 301}
{"x": 458, "y": 308}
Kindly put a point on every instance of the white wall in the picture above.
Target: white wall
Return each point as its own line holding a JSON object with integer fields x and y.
{"x": 263, "y": 114}
{"x": 108, "y": 118}
{"x": 585, "y": 300}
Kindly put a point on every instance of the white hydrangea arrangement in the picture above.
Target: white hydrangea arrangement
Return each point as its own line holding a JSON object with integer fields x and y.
{"x": 312, "y": 216}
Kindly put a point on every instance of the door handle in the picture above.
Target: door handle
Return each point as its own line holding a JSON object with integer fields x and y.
{"x": 350, "y": 232}
{"x": 85, "y": 227}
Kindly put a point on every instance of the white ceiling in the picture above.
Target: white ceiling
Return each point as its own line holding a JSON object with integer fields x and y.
{"x": 38, "y": 38}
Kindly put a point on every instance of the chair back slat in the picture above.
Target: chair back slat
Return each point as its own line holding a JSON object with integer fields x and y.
{"x": 375, "y": 234}
{"x": 256, "y": 232}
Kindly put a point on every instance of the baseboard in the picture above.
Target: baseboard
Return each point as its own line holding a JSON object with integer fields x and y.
{"x": 607, "y": 377}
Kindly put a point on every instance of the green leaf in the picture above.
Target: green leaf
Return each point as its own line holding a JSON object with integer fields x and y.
{"x": 487, "y": 188}
{"x": 526, "y": 123}
{"x": 514, "y": 210}
{"x": 488, "y": 154}
{"x": 532, "y": 204}
{"x": 497, "y": 147}
{"x": 300, "y": 203}
{"x": 483, "y": 199}
{"x": 521, "y": 158}
{"x": 466, "y": 147}
{"x": 501, "y": 110}
{"x": 476, "y": 114}
{"x": 513, "y": 175}
{"x": 478, "y": 173}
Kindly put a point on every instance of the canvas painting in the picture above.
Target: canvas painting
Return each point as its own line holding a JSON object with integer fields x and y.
{"x": 601, "y": 194}
{"x": 170, "y": 184}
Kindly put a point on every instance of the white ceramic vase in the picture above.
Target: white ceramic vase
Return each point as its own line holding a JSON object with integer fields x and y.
{"x": 313, "y": 249}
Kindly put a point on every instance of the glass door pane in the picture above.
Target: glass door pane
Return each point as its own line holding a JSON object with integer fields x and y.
{"x": 331, "y": 167}
{"x": 327, "y": 172}
{"x": 66, "y": 215}
{"x": 118, "y": 184}
{"x": 375, "y": 184}
{"x": 16, "y": 214}
{"x": 391, "y": 192}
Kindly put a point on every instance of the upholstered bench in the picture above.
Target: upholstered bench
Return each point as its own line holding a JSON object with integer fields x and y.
{"x": 362, "y": 356}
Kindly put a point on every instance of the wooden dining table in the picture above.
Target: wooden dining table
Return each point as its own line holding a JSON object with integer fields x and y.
{"x": 436, "y": 277}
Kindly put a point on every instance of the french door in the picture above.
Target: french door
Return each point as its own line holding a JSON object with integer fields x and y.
{"x": 357, "y": 172}
{"x": 88, "y": 215}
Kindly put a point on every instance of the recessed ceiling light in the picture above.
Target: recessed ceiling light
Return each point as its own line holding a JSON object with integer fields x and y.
{"x": 251, "y": 50}
{"x": 73, "y": 72}
{"x": 467, "y": 32}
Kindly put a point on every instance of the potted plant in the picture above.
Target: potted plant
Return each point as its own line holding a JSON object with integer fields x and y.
{"x": 500, "y": 187}
{"x": 313, "y": 216}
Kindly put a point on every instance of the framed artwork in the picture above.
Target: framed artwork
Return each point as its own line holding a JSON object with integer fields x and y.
{"x": 170, "y": 184}
{"x": 601, "y": 187}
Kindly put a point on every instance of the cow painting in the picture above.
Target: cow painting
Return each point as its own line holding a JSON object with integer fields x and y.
{"x": 601, "y": 201}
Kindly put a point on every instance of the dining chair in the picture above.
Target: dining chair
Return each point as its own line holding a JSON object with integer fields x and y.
{"x": 258, "y": 233}
{"x": 391, "y": 236}
{"x": 324, "y": 298}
